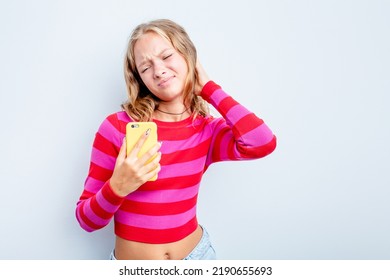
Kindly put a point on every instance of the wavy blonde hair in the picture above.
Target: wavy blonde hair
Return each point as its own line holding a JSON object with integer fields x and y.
{"x": 141, "y": 103}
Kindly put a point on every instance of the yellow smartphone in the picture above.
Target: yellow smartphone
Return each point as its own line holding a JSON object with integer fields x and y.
{"x": 134, "y": 131}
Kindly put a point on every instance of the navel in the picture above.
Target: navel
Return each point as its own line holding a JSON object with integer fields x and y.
{"x": 167, "y": 256}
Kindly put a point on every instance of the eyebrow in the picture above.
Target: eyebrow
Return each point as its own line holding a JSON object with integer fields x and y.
{"x": 146, "y": 60}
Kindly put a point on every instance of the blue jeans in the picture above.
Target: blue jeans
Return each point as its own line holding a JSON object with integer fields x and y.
{"x": 202, "y": 251}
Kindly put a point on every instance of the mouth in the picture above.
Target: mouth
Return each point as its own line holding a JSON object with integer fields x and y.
{"x": 165, "y": 81}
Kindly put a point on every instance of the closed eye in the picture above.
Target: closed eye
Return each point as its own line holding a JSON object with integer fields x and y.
{"x": 167, "y": 56}
{"x": 144, "y": 69}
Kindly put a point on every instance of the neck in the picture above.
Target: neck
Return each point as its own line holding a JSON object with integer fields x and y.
{"x": 171, "y": 113}
{"x": 165, "y": 114}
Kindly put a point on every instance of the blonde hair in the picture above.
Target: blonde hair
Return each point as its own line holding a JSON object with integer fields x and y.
{"x": 141, "y": 103}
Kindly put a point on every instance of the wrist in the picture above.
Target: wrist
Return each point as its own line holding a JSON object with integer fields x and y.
{"x": 117, "y": 188}
{"x": 110, "y": 195}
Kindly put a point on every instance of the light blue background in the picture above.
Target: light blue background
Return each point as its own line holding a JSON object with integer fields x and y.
{"x": 316, "y": 71}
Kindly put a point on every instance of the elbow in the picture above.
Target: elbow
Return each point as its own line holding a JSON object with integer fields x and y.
{"x": 83, "y": 224}
{"x": 271, "y": 146}
{"x": 260, "y": 151}
{"x": 85, "y": 227}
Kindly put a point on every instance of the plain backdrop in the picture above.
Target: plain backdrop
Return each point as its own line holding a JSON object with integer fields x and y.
{"x": 316, "y": 71}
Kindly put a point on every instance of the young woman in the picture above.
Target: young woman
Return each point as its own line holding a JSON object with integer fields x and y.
{"x": 166, "y": 85}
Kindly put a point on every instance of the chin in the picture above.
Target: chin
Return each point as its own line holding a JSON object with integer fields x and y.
{"x": 169, "y": 96}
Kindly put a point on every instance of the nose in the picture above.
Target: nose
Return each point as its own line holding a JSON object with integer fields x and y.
{"x": 159, "y": 70}
{"x": 159, "y": 73}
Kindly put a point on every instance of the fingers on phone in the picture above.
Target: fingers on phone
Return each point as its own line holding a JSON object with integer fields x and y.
{"x": 151, "y": 159}
{"x": 151, "y": 154}
{"x": 153, "y": 167}
{"x": 141, "y": 141}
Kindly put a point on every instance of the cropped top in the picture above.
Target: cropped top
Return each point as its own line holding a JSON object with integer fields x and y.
{"x": 164, "y": 210}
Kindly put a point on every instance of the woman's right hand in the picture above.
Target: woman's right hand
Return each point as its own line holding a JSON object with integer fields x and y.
{"x": 130, "y": 172}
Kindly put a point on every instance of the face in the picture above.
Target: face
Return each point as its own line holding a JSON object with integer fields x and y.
{"x": 162, "y": 69}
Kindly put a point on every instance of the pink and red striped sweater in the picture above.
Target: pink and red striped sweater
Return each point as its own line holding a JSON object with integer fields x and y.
{"x": 164, "y": 210}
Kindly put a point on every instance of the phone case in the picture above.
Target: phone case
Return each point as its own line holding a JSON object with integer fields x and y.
{"x": 134, "y": 130}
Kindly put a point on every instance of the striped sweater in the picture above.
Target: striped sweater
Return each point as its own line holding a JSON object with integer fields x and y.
{"x": 164, "y": 210}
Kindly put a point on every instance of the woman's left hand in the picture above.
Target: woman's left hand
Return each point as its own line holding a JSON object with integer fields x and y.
{"x": 203, "y": 78}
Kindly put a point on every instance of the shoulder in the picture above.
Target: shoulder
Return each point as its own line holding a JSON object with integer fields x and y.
{"x": 116, "y": 121}
{"x": 213, "y": 120}
{"x": 207, "y": 122}
{"x": 120, "y": 116}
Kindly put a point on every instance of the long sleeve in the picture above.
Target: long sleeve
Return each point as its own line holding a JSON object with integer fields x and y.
{"x": 164, "y": 210}
{"x": 98, "y": 203}
{"x": 239, "y": 134}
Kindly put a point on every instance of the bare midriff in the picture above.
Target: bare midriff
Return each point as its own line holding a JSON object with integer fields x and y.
{"x": 132, "y": 250}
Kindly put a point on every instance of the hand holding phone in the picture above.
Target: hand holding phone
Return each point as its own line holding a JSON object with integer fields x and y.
{"x": 134, "y": 130}
{"x": 138, "y": 159}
